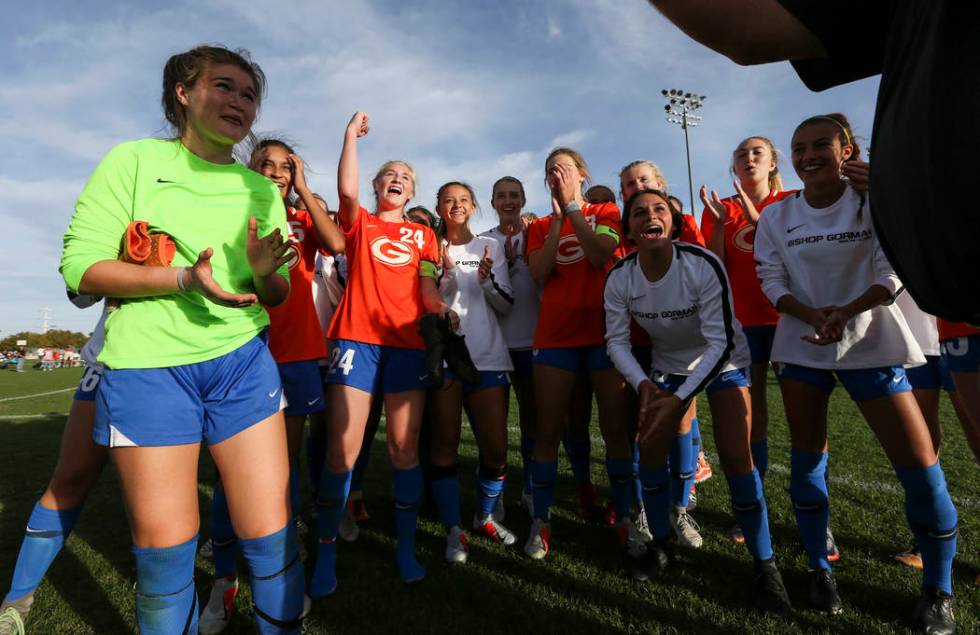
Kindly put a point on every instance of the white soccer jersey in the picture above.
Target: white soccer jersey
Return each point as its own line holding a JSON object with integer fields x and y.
{"x": 829, "y": 257}
{"x": 922, "y": 325}
{"x": 90, "y": 352}
{"x": 520, "y": 323}
{"x": 688, "y": 314}
{"x": 478, "y": 303}
{"x": 328, "y": 286}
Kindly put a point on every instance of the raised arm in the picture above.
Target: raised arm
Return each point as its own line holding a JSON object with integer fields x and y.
{"x": 327, "y": 232}
{"x": 747, "y": 32}
{"x": 347, "y": 171}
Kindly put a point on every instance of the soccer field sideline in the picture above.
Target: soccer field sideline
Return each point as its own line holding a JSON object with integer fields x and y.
{"x": 580, "y": 586}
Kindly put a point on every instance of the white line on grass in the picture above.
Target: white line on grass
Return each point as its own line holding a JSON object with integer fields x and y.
{"x": 39, "y": 394}
{"x": 46, "y": 415}
{"x": 962, "y": 502}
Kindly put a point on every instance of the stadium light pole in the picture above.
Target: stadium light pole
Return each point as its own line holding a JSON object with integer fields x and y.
{"x": 679, "y": 111}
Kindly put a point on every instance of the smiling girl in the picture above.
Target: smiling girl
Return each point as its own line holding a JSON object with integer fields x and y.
{"x": 476, "y": 285}
{"x": 184, "y": 358}
{"x": 679, "y": 295}
{"x": 392, "y": 268}
{"x": 821, "y": 266}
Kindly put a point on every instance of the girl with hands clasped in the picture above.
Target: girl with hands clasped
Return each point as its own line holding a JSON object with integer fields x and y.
{"x": 569, "y": 254}
{"x": 728, "y": 226}
{"x": 519, "y": 323}
{"x": 476, "y": 285}
{"x": 185, "y": 359}
{"x": 679, "y": 294}
{"x": 392, "y": 267}
{"x": 821, "y": 266}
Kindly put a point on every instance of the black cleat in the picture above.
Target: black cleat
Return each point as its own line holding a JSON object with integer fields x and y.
{"x": 823, "y": 592}
{"x": 636, "y": 568}
{"x": 659, "y": 556}
{"x": 770, "y": 592}
{"x": 934, "y": 613}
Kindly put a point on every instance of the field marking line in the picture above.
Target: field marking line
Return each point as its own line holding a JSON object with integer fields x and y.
{"x": 40, "y": 394}
{"x": 47, "y": 415}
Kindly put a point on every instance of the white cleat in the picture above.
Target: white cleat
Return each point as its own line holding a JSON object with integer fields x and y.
{"x": 489, "y": 527}
{"x": 217, "y": 612}
{"x": 457, "y": 549}
{"x": 539, "y": 542}
{"x": 686, "y": 528}
{"x": 642, "y": 524}
{"x": 630, "y": 538}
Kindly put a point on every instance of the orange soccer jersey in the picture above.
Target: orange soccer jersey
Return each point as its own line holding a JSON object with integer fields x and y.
{"x": 382, "y": 302}
{"x": 294, "y": 330}
{"x": 950, "y": 330}
{"x": 572, "y": 305}
{"x": 690, "y": 232}
{"x": 752, "y": 307}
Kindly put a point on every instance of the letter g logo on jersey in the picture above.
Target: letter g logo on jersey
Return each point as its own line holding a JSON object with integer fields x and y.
{"x": 744, "y": 239}
{"x": 391, "y": 252}
{"x": 569, "y": 250}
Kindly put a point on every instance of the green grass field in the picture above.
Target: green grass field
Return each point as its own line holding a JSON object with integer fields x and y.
{"x": 579, "y": 588}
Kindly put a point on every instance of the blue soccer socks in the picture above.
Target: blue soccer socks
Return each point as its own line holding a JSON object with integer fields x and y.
{"x": 47, "y": 530}
{"x": 277, "y": 581}
{"x": 543, "y": 477}
{"x": 334, "y": 489}
{"x": 166, "y": 600}
{"x": 933, "y": 520}
{"x": 751, "y": 514}
{"x": 811, "y": 502}
{"x": 656, "y": 499}
{"x": 408, "y": 491}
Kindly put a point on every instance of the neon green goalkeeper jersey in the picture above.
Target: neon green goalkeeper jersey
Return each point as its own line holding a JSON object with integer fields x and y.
{"x": 199, "y": 204}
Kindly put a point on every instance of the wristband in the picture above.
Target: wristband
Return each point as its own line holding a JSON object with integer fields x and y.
{"x": 180, "y": 279}
{"x": 573, "y": 206}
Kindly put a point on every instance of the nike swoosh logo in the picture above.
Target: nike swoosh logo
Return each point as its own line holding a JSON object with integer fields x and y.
{"x": 639, "y": 297}
{"x": 424, "y": 377}
{"x": 310, "y": 403}
{"x": 163, "y": 181}
{"x": 790, "y": 230}
{"x": 895, "y": 380}
{"x": 274, "y": 393}
{"x": 500, "y": 376}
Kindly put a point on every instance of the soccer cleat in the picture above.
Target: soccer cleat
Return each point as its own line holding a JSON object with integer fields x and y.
{"x": 359, "y": 509}
{"x": 207, "y": 550}
{"x": 348, "y": 530}
{"x": 642, "y": 524}
{"x": 217, "y": 612}
{"x": 539, "y": 542}
{"x": 13, "y": 615}
{"x": 770, "y": 592}
{"x": 630, "y": 538}
{"x": 823, "y": 592}
{"x": 659, "y": 555}
{"x": 456, "y": 548}
{"x": 934, "y": 613}
{"x": 686, "y": 528}
{"x": 910, "y": 557}
{"x": 735, "y": 534}
{"x": 491, "y": 529}
{"x": 833, "y": 553}
{"x": 703, "y": 471}
{"x": 692, "y": 499}
{"x": 586, "y": 500}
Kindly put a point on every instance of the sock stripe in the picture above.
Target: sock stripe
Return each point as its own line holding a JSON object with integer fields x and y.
{"x": 279, "y": 572}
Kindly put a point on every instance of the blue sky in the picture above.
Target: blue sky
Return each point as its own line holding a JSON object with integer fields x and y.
{"x": 464, "y": 90}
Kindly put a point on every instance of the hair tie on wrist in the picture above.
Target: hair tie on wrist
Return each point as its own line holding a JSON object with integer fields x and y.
{"x": 180, "y": 279}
